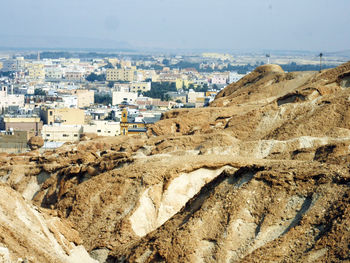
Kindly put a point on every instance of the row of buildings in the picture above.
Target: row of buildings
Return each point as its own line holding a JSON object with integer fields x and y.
{"x": 60, "y": 120}
{"x": 51, "y": 98}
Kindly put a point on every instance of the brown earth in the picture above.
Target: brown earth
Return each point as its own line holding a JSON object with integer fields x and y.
{"x": 35, "y": 143}
{"x": 262, "y": 175}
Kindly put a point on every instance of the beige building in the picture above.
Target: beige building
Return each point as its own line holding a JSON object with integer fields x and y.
{"x": 142, "y": 75}
{"x": 36, "y": 71}
{"x": 85, "y": 97}
{"x": 194, "y": 97}
{"x": 21, "y": 123}
{"x": 66, "y": 116}
{"x": 121, "y": 74}
{"x": 140, "y": 86}
{"x": 182, "y": 83}
{"x": 113, "y": 61}
{"x": 61, "y": 133}
{"x": 75, "y": 75}
{"x": 133, "y": 87}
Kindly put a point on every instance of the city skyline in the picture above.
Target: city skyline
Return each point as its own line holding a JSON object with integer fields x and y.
{"x": 225, "y": 25}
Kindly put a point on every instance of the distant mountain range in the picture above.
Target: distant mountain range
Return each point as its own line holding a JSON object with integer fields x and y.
{"x": 56, "y": 42}
{"x": 343, "y": 53}
{"x": 8, "y": 42}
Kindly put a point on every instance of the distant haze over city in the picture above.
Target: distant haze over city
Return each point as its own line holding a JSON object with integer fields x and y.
{"x": 314, "y": 25}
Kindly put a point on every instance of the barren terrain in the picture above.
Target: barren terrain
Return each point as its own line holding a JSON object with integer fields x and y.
{"x": 262, "y": 175}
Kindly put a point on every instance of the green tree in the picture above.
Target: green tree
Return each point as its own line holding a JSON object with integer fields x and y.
{"x": 110, "y": 84}
{"x": 166, "y": 62}
{"x": 39, "y": 92}
{"x": 94, "y": 77}
{"x": 204, "y": 88}
{"x": 158, "y": 89}
{"x": 105, "y": 99}
{"x": 167, "y": 97}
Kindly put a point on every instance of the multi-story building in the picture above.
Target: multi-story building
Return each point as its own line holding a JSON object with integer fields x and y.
{"x": 67, "y": 116}
{"x": 61, "y": 133}
{"x": 75, "y": 75}
{"x": 69, "y": 101}
{"x": 140, "y": 86}
{"x": 9, "y": 65}
{"x": 36, "y": 71}
{"x": 121, "y": 74}
{"x": 182, "y": 84}
{"x": 103, "y": 128}
{"x": 21, "y": 123}
{"x": 54, "y": 72}
{"x": 122, "y": 94}
{"x": 85, "y": 97}
{"x": 7, "y": 100}
{"x": 193, "y": 97}
{"x": 71, "y": 133}
{"x": 220, "y": 79}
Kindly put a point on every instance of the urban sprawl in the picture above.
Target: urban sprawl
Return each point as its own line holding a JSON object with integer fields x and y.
{"x": 66, "y": 99}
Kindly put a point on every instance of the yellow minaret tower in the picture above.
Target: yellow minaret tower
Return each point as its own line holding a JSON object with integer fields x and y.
{"x": 124, "y": 122}
{"x": 125, "y": 115}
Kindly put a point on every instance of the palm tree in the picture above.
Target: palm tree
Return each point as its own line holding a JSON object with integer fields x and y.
{"x": 321, "y": 55}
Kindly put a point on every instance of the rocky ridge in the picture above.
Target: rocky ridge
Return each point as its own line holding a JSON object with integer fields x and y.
{"x": 261, "y": 175}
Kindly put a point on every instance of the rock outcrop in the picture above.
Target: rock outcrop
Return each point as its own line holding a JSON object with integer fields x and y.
{"x": 31, "y": 234}
{"x": 261, "y": 175}
{"x": 35, "y": 143}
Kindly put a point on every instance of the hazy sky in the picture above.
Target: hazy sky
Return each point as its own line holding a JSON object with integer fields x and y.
{"x": 315, "y": 25}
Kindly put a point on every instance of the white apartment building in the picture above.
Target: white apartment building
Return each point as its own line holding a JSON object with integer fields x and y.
{"x": 7, "y": 100}
{"x": 72, "y": 133}
{"x": 220, "y": 79}
{"x": 103, "y": 128}
{"x": 70, "y": 101}
{"x": 61, "y": 133}
{"x": 123, "y": 94}
{"x": 54, "y": 72}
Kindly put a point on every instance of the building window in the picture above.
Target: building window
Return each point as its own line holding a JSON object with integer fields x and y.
{"x": 65, "y": 135}
{"x": 98, "y": 130}
{"x": 47, "y": 135}
{"x": 109, "y": 131}
{"x": 134, "y": 126}
{"x": 51, "y": 113}
{"x": 75, "y": 135}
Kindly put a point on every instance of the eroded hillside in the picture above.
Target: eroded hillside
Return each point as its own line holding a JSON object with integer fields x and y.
{"x": 261, "y": 175}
